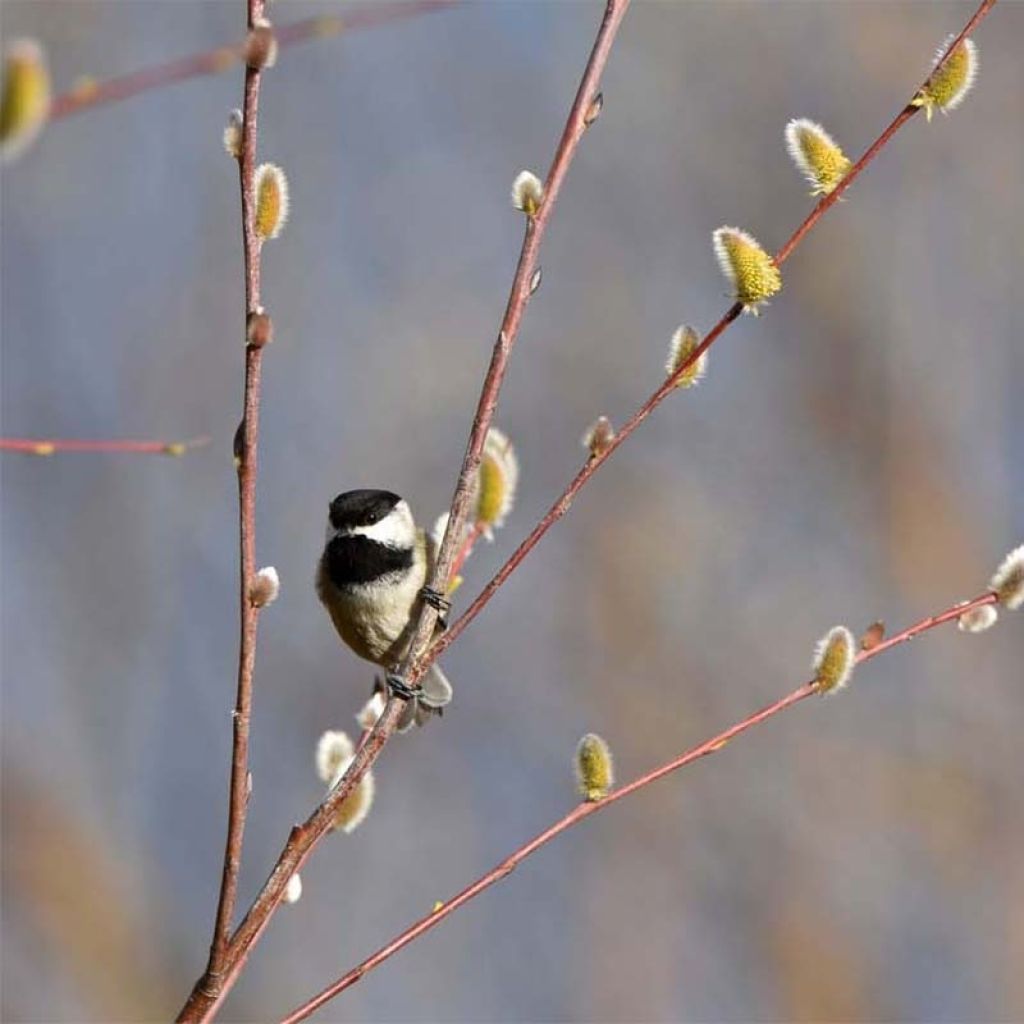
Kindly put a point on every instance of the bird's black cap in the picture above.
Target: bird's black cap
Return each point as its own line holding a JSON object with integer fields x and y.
{"x": 361, "y": 508}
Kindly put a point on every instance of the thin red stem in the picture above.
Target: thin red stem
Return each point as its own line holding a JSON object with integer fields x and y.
{"x": 576, "y": 126}
{"x": 210, "y": 985}
{"x": 223, "y": 58}
{"x": 304, "y": 837}
{"x": 585, "y": 810}
{"x": 247, "y": 469}
{"x": 475, "y": 533}
{"x": 210, "y": 991}
{"x": 565, "y": 500}
{"x": 51, "y": 446}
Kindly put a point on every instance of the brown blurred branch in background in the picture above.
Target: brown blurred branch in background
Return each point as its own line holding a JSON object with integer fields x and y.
{"x": 210, "y": 991}
{"x": 52, "y": 446}
{"x": 565, "y": 500}
{"x": 91, "y": 93}
{"x": 585, "y": 810}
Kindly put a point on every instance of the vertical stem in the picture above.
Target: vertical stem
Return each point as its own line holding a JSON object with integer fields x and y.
{"x": 210, "y": 991}
{"x": 247, "y": 467}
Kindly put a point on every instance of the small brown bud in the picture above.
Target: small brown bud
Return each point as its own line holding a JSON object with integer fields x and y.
{"x": 238, "y": 445}
{"x": 260, "y": 49}
{"x": 264, "y": 588}
{"x": 535, "y": 280}
{"x": 259, "y": 330}
{"x": 594, "y": 110}
{"x": 599, "y": 436}
{"x": 872, "y": 636}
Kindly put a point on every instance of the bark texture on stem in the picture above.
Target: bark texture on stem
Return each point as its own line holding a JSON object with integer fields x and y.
{"x": 585, "y": 810}
{"x": 566, "y": 498}
{"x": 246, "y": 455}
{"x": 304, "y": 837}
{"x": 223, "y": 58}
{"x": 214, "y": 987}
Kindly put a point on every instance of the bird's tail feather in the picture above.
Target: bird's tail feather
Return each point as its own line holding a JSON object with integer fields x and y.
{"x": 435, "y": 695}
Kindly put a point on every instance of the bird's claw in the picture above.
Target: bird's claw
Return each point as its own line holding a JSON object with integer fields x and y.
{"x": 436, "y": 600}
{"x": 398, "y": 687}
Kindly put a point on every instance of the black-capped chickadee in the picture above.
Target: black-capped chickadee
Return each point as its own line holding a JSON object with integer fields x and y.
{"x": 371, "y": 580}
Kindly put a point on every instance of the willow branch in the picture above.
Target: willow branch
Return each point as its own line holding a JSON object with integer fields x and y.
{"x": 52, "y": 446}
{"x": 211, "y": 990}
{"x": 247, "y": 466}
{"x": 522, "y": 287}
{"x": 90, "y": 93}
{"x": 565, "y": 500}
{"x": 585, "y": 810}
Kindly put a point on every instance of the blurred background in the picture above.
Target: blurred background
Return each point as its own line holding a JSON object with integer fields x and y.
{"x": 854, "y": 454}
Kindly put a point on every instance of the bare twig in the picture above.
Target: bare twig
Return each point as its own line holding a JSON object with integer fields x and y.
{"x": 304, "y": 837}
{"x": 565, "y": 500}
{"x": 51, "y": 446}
{"x": 211, "y": 990}
{"x": 470, "y": 542}
{"x": 585, "y": 810}
{"x": 247, "y": 467}
{"x": 90, "y": 93}
{"x": 522, "y": 287}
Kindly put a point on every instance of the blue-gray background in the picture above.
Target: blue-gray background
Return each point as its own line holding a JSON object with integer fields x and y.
{"x": 854, "y": 454}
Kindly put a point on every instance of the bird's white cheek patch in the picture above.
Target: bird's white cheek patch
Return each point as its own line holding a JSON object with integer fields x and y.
{"x": 395, "y": 529}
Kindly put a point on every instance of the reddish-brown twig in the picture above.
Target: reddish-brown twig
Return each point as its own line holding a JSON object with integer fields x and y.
{"x": 246, "y": 455}
{"x": 304, "y": 837}
{"x": 523, "y": 285}
{"x": 211, "y": 990}
{"x": 565, "y": 500}
{"x": 475, "y": 533}
{"x": 90, "y": 93}
{"x": 581, "y": 811}
{"x": 52, "y": 446}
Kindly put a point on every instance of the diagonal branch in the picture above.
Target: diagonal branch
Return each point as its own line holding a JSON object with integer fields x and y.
{"x": 304, "y": 837}
{"x": 565, "y": 500}
{"x": 51, "y": 446}
{"x": 90, "y": 93}
{"x": 585, "y": 810}
{"x": 211, "y": 990}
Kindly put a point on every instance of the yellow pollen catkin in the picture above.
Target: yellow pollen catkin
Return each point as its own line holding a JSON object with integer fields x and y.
{"x": 271, "y": 187}
{"x": 25, "y": 103}
{"x": 948, "y": 86}
{"x": 817, "y": 155}
{"x": 748, "y": 266}
{"x": 595, "y": 773}
{"x": 834, "y": 660}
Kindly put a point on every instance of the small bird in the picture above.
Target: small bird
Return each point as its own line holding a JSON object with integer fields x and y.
{"x": 371, "y": 580}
